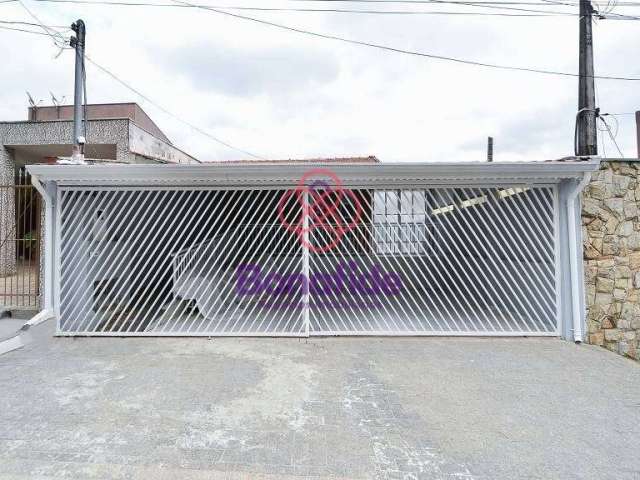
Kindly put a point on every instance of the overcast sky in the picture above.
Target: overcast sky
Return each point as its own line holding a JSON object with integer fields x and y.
{"x": 285, "y": 95}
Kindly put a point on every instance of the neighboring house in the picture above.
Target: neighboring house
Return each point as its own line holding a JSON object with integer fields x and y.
{"x": 119, "y": 132}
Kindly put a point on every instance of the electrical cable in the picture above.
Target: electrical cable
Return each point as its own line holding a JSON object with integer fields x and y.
{"x": 23, "y": 30}
{"x": 611, "y": 136}
{"x": 141, "y": 95}
{"x": 484, "y": 2}
{"x": 597, "y": 97}
{"x": 324, "y": 36}
{"x": 169, "y": 113}
{"x": 56, "y": 36}
{"x": 316, "y": 10}
{"x": 401, "y": 50}
{"x": 533, "y": 13}
{"x": 393, "y": 49}
{"x": 31, "y": 24}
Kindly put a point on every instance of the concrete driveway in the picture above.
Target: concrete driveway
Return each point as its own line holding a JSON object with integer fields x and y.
{"x": 396, "y": 408}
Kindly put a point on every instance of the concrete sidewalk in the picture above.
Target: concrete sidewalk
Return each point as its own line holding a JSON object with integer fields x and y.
{"x": 10, "y": 326}
{"x": 389, "y": 408}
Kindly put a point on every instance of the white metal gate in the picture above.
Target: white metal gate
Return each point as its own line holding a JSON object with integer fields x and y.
{"x": 262, "y": 261}
{"x": 444, "y": 261}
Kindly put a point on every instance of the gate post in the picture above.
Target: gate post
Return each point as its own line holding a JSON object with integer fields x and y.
{"x": 7, "y": 214}
{"x": 305, "y": 262}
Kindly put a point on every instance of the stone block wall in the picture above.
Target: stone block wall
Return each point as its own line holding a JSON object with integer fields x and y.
{"x": 611, "y": 235}
{"x": 7, "y": 215}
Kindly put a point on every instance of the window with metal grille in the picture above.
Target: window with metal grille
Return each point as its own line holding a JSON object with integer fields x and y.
{"x": 400, "y": 219}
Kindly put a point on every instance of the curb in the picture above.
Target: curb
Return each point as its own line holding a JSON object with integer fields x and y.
{"x": 40, "y": 317}
{"x": 10, "y": 344}
{"x": 15, "y": 341}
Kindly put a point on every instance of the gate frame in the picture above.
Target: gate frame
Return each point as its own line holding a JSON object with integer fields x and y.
{"x": 567, "y": 178}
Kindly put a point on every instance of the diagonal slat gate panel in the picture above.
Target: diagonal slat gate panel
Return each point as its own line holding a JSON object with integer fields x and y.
{"x": 177, "y": 262}
{"x": 213, "y": 261}
{"x": 439, "y": 261}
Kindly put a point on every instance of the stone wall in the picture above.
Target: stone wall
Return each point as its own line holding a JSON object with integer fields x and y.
{"x": 7, "y": 215}
{"x": 611, "y": 234}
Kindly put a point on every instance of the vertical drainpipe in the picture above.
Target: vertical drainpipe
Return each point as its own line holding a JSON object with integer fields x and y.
{"x": 48, "y": 308}
{"x": 575, "y": 257}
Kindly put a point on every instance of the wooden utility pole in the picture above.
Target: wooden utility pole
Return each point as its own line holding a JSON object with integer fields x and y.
{"x": 587, "y": 141}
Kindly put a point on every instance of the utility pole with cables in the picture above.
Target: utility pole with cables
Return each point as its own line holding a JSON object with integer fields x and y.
{"x": 586, "y": 132}
{"x": 79, "y": 122}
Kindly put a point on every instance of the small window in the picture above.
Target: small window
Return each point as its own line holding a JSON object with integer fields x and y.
{"x": 400, "y": 222}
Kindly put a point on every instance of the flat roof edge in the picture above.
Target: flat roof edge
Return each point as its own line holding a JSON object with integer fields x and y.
{"x": 61, "y": 120}
{"x": 252, "y": 174}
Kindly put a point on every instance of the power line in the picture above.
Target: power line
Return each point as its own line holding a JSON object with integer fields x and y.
{"x": 15, "y": 22}
{"x": 53, "y": 34}
{"x": 58, "y": 40}
{"x": 401, "y": 50}
{"x": 4, "y": 23}
{"x": 463, "y": 2}
{"x": 477, "y": 4}
{"x": 146, "y": 98}
{"x": 321, "y": 10}
{"x": 23, "y": 30}
{"x": 426, "y": 2}
{"x": 534, "y": 13}
{"x": 528, "y": 12}
{"x": 569, "y": 3}
{"x": 606, "y": 14}
{"x": 420, "y": 2}
{"x": 388, "y": 48}
{"x": 169, "y": 113}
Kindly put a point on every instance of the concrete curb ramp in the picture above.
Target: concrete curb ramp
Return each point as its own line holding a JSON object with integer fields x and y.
{"x": 20, "y": 338}
{"x": 12, "y": 343}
